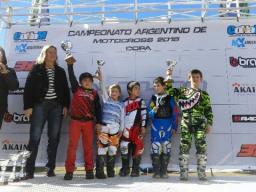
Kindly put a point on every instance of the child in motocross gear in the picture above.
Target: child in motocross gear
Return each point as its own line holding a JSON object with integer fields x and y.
{"x": 111, "y": 128}
{"x": 134, "y": 130}
{"x": 197, "y": 119}
{"x": 161, "y": 112}
{"x": 85, "y": 111}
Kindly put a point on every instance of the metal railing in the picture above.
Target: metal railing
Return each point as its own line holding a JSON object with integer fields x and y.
{"x": 45, "y": 12}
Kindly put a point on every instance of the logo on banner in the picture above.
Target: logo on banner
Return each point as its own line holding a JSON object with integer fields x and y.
{"x": 233, "y": 30}
{"x": 241, "y": 42}
{"x": 16, "y": 118}
{"x": 244, "y": 118}
{"x": 19, "y": 91}
{"x": 247, "y": 150}
{"x": 242, "y": 62}
{"x": 238, "y": 42}
{"x": 244, "y": 88}
{"x": 23, "y": 47}
{"x": 30, "y": 36}
{"x": 8, "y": 145}
{"x": 21, "y": 66}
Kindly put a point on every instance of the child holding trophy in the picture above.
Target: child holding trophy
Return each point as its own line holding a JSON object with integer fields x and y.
{"x": 85, "y": 111}
{"x": 197, "y": 119}
{"x": 111, "y": 128}
{"x": 161, "y": 112}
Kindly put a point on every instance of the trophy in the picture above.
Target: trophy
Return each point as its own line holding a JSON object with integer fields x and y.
{"x": 170, "y": 65}
{"x": 100, "y": 64}
{"x": 67, "y": 46}
{"x": 14, "y": 159}
{"x": 3, "y": 164}
{"x": 24, "y": 156}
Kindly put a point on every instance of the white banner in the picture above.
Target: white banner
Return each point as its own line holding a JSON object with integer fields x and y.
{"x": 223, "y": 50}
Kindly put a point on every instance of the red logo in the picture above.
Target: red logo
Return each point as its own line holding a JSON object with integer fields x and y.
{"x": 247, "y": 150}
{"x": 23, "y": 66}
{"x": 16, "y": 118}
{"x": 8, "y": 117}
{"x": 233, "y": 61}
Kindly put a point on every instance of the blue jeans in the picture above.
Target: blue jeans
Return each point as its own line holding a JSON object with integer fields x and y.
{"x": 49, "y": 111}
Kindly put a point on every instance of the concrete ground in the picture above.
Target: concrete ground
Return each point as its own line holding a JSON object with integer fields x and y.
{"x": 217, "y": 182}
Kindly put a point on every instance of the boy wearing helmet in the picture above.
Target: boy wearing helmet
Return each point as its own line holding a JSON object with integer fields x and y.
{"x": 134, "y": 130}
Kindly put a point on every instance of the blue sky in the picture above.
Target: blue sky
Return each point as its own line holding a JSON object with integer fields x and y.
{"x": 123, "y": 15}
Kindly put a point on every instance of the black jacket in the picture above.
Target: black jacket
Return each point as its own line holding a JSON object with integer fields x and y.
{"x": 37, "y": 85}
{"x": 8, "y": 82}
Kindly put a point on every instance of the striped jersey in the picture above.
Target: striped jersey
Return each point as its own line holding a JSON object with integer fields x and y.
{"x": 51, "y": 93}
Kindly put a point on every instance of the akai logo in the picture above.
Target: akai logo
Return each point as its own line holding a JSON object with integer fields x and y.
{"x": 8, "y": 145}
{"x": 244, "y": 88}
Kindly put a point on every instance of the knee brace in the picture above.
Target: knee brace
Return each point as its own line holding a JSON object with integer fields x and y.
{"x": 112, "y": 150}
{"x": 183, "y": 161}
{"x": 102, "y": 150}
{"x": 166, "y": 146}
{"x": 124, "y": 147}
{"x": 156, "y": 148}
{"x": 201, "y": 146}
{"x": 201, "y": 160}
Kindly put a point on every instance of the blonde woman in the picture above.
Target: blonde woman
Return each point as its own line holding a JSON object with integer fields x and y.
{"x": 46, "y": 98}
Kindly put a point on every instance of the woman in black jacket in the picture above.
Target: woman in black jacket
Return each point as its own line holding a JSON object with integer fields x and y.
{"x": 46, "y": 98}
{"x": 8, "y": 81}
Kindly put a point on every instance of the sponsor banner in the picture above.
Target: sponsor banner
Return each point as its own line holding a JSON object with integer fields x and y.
{"x": 25, "y": 48}
{"x": 241, "y": 30}
{"x": 242, "y": 62}
{"x": 8, "y": 145}
{"x": 244, "y": 35}
{"x": 244, "y": 118}
{"x": 244, "y": 89}
{"x": 19, "y": 91}
{"x": 243, "y": 149}
{"x": 247, "y": 150}
{"x": 30, "y": 36}
{"x": 16, "y": 118}
{"x": 23, "y": 66}
{"x": 139, "y": 52}
{"x": 242, "y": 42}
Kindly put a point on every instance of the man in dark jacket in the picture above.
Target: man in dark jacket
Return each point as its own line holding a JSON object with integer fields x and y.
{"x": 8, "y": 81}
